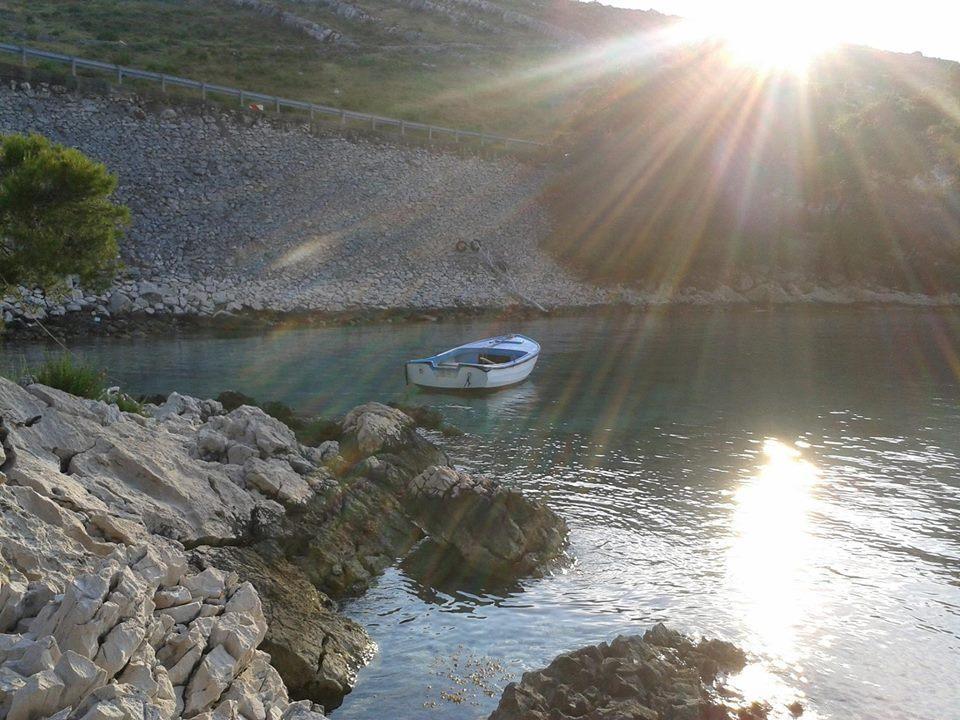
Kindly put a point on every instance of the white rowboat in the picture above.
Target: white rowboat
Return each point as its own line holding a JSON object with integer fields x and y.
{"x": 491, "y": 363}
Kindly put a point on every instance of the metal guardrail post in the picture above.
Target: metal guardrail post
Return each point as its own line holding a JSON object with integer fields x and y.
{"x": 203, "y": 92}
{"x": 242, "y": 103}
{"x": 373, "y": 123}
{"x": 430, "y": 133}
{"x": 119, "y": 75}
{"x": 23, "y": 55}
{"x": 163, "y": 84}
{"x": 343, "y": 118}
{"x": 403, "y": 128}
{"x": 278, "y": 105}
{"x": 73, "y": 67}
{"x": 456, "y": 136}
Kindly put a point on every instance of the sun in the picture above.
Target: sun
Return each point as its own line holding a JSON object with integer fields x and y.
{"x": 772, "y": 39}
{"x": 771, "y": 51}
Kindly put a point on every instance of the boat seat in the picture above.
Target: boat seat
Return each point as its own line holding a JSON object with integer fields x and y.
{"x": 494, "y": 359}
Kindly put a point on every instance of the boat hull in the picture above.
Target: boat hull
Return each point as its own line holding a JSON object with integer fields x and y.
{"x": 462, "y": 377}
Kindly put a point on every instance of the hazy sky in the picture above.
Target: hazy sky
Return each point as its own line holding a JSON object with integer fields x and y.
{"x": 930, "y": 26}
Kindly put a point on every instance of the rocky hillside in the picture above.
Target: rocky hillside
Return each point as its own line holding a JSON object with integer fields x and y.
{"x": 185, "y": 563}
{"x": 466, "y": 63}
{"x": 229, "y": 213}
{"x": 696, "y": 171}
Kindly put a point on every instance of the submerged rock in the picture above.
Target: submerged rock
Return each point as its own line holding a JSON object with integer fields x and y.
{"x": 660, "y": 676}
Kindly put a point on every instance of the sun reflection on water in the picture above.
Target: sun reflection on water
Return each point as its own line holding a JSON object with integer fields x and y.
{"x": 769, "y": 564}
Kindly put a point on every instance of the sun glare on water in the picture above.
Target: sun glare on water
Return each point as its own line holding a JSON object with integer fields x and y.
{"x": 769, "y": 564}
{"x": 772, "y": 546}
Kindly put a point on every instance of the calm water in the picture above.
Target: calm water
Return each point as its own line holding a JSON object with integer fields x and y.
{"x": 787, "y": 480}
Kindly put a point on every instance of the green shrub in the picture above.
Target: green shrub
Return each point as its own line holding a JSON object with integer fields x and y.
{"x": 231, "y": 400}
{"x": 76, "y": 377}
{"x": 284, "y": 413}
{"x": 315, "y": 431}
{"x": 56, "y": 216}
{"x": 129, "y": 404}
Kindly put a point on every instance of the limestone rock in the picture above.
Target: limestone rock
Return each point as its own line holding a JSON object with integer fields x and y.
{"x": 497, "y": 530}
{"x": 209, "y": 680}
{"x": 316, "y": 650}
{"x": 211, "y": 583}
{"x": 252, "y": 427}
{"x": 386, "y": 443}
{"x": 121, "y": 470}
{"x": 631, "y": 677}
{"x": 276, "y": 479}
{"x": 374, "y": 427}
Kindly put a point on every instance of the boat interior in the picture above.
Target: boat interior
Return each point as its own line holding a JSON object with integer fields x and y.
{"x": 480, "y": 356}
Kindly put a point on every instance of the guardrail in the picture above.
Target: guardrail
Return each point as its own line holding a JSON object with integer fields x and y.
{"x": 247, "y": 97}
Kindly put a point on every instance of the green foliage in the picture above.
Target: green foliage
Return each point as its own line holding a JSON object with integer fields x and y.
{"x": 56, "y": 217}
{"x": 282, "y": 412}
{"x": 71, "y": 375}
{"x": 317, "y": 430}
{"x": 78, "y": 377}
{"x": 453, "y": 74}
{"x": 232, "y": 399}
{"x": 129, "y": 404}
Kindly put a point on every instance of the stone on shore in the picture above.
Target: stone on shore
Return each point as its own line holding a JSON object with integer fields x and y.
{"x": 660, "y": 676}
{"x": 498, "y": 531}
{"x": 101, "y": 648}
{"x": 316, "y": 650}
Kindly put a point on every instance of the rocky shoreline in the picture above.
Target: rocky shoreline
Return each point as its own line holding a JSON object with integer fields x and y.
{"x": 70, "y": 327}
{"x": 76, "y": 327}
{"x": 153, "y": 561}
{"x": 187, "y": 562}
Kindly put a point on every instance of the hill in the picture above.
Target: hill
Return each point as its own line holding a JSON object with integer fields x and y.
{"x": 687, "y": 169}
{"x": 495, "y": 66}
{"x": 672, "y": 165}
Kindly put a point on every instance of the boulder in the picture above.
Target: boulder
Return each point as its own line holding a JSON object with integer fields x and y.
{"x": 276, "y": 479}
{"x": 497, "y": 530}
{"x": 631, "y": 677}
{"x": 374, "y": 428}
{"x": 119, "y": 303}
{"x": 209, "y": 681}
{"x": 253, "y": 428}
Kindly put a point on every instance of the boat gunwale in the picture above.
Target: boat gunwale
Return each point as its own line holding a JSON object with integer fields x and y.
{"x": 431, "y": 361}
